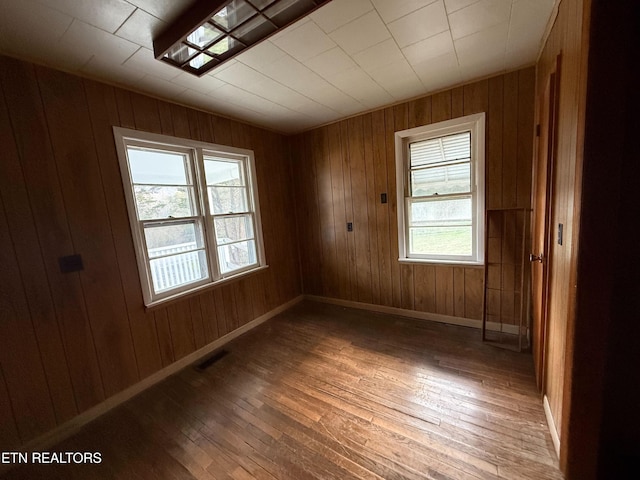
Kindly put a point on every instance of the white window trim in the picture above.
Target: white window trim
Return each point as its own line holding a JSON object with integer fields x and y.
{"x": 197, "y": 150}
{"x": 476, "y": 125}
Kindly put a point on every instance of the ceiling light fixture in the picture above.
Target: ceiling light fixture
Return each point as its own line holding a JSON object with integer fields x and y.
{"x": 212, "y": 32}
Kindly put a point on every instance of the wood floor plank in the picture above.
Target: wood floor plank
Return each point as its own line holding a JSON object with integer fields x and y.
{"x": 324, "y": 392}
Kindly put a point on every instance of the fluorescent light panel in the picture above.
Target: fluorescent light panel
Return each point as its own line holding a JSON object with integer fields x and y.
{"x": 210, "y": 33}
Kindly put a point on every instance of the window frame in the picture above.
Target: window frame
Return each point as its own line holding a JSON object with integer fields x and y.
{"x": 475, "y": 124}
{"x": 195, "y": 151}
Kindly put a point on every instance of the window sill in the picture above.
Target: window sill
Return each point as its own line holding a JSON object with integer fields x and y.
{"x": 202, "y": 288}
{"x": 450, "y": 263}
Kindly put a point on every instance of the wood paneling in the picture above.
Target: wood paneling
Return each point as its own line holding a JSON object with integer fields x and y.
{"x": 342, "y": 169}
{"x": 74, "y": 150}
{"x": 566, "y": 38}
{"x": 68, "y": 341}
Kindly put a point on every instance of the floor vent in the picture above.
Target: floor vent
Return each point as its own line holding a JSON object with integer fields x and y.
{"x": 211, "y": 360}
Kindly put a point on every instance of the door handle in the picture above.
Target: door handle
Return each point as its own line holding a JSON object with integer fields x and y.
{"x": 535, "y": 258}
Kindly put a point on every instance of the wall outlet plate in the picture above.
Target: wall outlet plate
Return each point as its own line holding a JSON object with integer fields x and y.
{"x": 71, "y": 263}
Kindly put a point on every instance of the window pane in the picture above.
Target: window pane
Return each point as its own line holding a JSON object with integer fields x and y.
{"x": 285, "y": 11}
{"x": 157, "y": 167}
{"x": 200, "y": 61}
{"x": 450, "y": 240}
{"x": 237, "y": 255}
{"x": 233, "y": 14}
{"x": 226, "y": 45}
{"x": 223, "y": 200}
{"x": 168, "y": 239}
{"x": 427, "y": 213}
{"x": 203, "y": 35}
{"x": 180, "y": 53}
{"x": 223, "y": 172}
{"x": 177, "y": 270}
{"x": 442, "y": 149}
{"x": 262, "y": 3}
{"x": 157, "y": 202}
{"x": 441, "y": 180}
{"x": 233, "y": 229}
{"x": 254, "y": 30}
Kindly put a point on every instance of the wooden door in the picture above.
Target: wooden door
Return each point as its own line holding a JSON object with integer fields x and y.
{"x": 541, "y": 218}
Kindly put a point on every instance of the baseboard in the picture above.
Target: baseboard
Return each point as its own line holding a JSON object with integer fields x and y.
{"x": 552, "y": 425}
{"x": 72, "y": 426}
{"x": 432, "y": 317}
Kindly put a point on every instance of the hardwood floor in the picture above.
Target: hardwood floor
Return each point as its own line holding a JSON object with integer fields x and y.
{"x": 324, "y": 392}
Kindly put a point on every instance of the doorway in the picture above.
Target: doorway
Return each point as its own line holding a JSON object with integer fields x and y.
{"x": 541, "y": 228}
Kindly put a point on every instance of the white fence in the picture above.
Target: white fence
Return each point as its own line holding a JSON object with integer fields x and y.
{"x": 175, "y": 270}
{"x": 172, "y": 270}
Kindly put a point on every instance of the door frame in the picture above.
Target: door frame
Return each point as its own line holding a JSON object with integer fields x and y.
{"x": 551, "y": 104}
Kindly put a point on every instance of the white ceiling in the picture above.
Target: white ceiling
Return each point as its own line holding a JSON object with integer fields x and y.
{"x": 347, "y": 57}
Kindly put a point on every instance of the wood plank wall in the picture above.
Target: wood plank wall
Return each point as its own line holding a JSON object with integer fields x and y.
{"x": 69, "y": 341}
{"x": 566, "y": 38}
{"x": 341, "y": 170}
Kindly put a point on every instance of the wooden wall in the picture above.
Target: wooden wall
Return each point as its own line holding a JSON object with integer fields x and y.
{"x": 69, "y": 341}
{"x": 600, "y": 399}
{"x": 341, "y": 170}
{"x": 566, "y": 38}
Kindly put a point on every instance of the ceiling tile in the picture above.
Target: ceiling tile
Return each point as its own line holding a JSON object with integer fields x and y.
{"x": 274, "y": 91}
{"x": 221, "y": 107}
{"x": 288, "y": 71}
{"x": 299, "y": 78}
{"x": 439, "y": 72}
{"x": 333, "y": 98}
{"x": 261, "y": 55}
{"x": 144, "y": 61}
{"x": 514, "y": 59}
{"x": 453, "y": 5}
{"x": 330, "y": 62}
{"x": 398, "y": 79}
{"x": 357, "y": 84}
{"x": 221, "y": 68}
{"x": 429, "y": 48}
{"x": 141, "y": 28}
{"x": 474, "y": 71}
{"x": 294, "y": 26}
{"x": 300, "y": 103}
{"x": 391, "y": 10}
{"x": 379, "y": 55}
{"x": 105, "y": 14}
{"x": 304, "y": 42}
{"x": 239, "y": 74}
{"x": 421, "y": 24}
{"x": 361, "y": 33}
{"x": 340, "y": 12}
{"x": 85, "y": 39}
{"x": 166, "y": 10}
{"x": 479, "y": 16}
{"x": 483, "y": 46}
{"x": 203, "y": 84}
{"x": 237, "y": 96}
{"x": 112, "y": 72}
{"x": 158, "y": 86}
{"x": 34, "y": 31}
{"x": 528, "y": 23}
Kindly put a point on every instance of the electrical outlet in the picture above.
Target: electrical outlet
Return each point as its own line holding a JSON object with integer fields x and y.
{"x": 349, "y": 227}
{"x": 383, "y": 198}
{"x": 70, "y": 263}
{"x": 560, "y": 232}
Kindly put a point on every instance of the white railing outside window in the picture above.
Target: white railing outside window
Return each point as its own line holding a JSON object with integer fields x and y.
{"x": 169, "y": 271}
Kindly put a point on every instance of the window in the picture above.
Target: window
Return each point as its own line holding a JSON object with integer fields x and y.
{"x": 440, "y": 185}
{"x": 193, "y": 209}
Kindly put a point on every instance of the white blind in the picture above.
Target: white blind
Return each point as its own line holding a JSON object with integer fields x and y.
{"x": 440, "y": 150}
